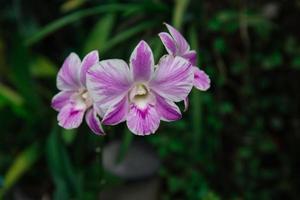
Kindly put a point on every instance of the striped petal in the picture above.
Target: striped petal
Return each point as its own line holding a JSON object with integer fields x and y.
{"x": 167, "y": 109}
{"x": 88, "y": 61}
{"x": 68, "y": 77}
{"x": 142, "y": 62}
{"x": 71, "y": 115}
{"x": 143, "y": 121}
{"x": 168, "y": 42}
{"x": 117, "y": 113}
{"x": 201, "y": 79}
{"x": 173, "y": 79}
{"x": 182, "y": 45}
{"x": 191, "y": 56}
{"x": 108, "y": 82}
{"x": 61, "y": 99}
{"x": 93, "y": 122}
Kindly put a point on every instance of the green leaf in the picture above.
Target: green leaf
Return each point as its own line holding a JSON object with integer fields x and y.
{"x": 59, "y": 23}
{"x": 296, "y": 62}
{"x": 146, "y": 7}
{"x": 272, "y": 61}
{"x": 20, "y": 166}
{"x": 219, "y": 45}
{"x": 211, "y": 196}
{"x": 21, "y": 77}
{"x": 65, "y": 178}
{"x": 71, "y": 5}
{"x": 227, "y": 20}
{"x": 158, "y": 47}
{"x": 43, "y": 67}
{"x": 124, "y": 35}
{"x": 98, "y": 37}
{"x": 10, "y": 95}
{"x": 68, "y": 136}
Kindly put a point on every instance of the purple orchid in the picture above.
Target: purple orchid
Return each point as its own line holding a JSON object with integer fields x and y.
{"x": 142, "y": 94}
{"x": 176, "y": 45}
{"x": 73, "y": 100}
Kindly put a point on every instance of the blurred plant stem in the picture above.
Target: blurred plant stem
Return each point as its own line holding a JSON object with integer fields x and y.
{"x": 99, "y": 162}
{"x": 196, "y": 102}
{"x": 126, "y": 142}
{"x": 179, "y": 9}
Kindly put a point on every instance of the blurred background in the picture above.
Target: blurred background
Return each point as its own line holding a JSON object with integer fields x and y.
{"x": 239, "y": 140}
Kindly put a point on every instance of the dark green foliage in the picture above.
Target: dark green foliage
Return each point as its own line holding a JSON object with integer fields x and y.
{"x": 238, "y": 140}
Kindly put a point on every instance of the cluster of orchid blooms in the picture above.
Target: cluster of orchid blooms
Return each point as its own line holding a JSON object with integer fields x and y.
{"x": 141, "y": 94}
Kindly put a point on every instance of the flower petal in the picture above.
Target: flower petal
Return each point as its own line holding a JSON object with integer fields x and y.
{"x": 191, "y": 56}
{"x": 99, "y": 110}
{"x": 70, "y": 116}
{"x": 201, "y": 79}
{"x": 68, "y": 77}
{"x": 167, "y": 109}
{"x": 88, "y": 61}
{"x": 168, "y": 42}
{"x": 93, "y": 122}
{"x": 108, "y": 82}
{"x": 142, "y": 62}
{"x": 143, "y": 121}
{"x": 182, "y": 45}
{"x": 117, "y": 113}
{"x": 186, "y": 102}
{"x": 173, "y": 78}
{"x": 61, "y": 99}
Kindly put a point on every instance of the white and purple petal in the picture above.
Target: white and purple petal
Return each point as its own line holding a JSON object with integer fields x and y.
{"x": 108, "y": 82}
{"x": 191, "y": 56}
{"x": 117, "y": 113}
{"x": 61, "y": 99}
{"x": 181, "y": 43}
{"x": 93, "y": 122}
{"x": 70, "y": 116}
{"x": 173, "y": 78}
{"x": 143, "y": 121}
{"x": 142, "y": 62}
{"x": 88, "y": 61}
{"x": 168, "y": 42}
{"x": 68, "y": 78}
{"x": 186, "y": 102}
{"x": 201, "y": 79}
{"x": 167, "y": 109}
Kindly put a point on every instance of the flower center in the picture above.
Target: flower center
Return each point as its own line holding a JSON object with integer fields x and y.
{"x": 84, "y": 98}
{"x": 140, "y": 95}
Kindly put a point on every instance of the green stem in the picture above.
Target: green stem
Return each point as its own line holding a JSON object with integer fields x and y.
{"x": 196, "y": 103}
{"x": 180, "y": 7}
{"x": 99, "y": 162}
{"x": 126, "y": 142}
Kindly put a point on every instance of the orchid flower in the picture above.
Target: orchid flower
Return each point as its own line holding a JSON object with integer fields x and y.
{"x": 176, "y": 45}
{"x": 140, "y": 94}
{"x": 73, "y": 100}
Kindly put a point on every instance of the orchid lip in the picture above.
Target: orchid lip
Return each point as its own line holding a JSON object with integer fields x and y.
{"x": 83, "y": 97}
{"x": 140, "y": 95}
